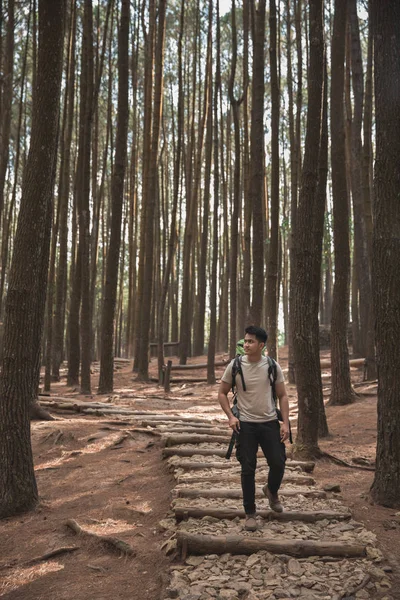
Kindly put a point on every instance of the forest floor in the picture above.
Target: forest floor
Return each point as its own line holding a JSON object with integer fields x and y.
{"x": 109, "y": 476}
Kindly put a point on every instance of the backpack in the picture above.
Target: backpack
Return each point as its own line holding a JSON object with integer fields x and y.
{"x": 272, "y": 376}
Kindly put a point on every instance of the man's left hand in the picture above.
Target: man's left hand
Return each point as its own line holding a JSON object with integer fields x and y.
{"x": 284, "y": 432}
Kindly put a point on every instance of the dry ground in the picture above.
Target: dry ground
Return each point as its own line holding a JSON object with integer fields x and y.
{"x": 122, "y": 488}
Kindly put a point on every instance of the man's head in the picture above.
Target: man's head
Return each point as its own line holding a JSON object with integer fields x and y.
{"x": 254, "y": 340}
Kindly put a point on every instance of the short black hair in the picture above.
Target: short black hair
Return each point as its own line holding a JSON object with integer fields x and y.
{"x": 259, "y": 332}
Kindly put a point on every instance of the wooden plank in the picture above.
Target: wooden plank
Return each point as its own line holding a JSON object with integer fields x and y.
{"x": 237, "y": 493}
{"x": 194, "y": 512}
{"x": 237, "y": 544}
{"x": 227, "y": 477}
{"x": 304, "y": 465}
{"x": 182, "y": 438}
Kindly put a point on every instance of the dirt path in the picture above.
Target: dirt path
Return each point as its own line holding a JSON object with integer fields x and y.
{"x": 110, "y": 478}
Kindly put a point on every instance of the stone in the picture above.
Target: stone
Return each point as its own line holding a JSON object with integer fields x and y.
{"x": 332, "y": 487}
{"x": 252, "y": 560}
{"x": 362, "y": 594}
{"x": 280, "y": 593}
{"x": 294, "y": 567}
{"x": 194, "y": 561}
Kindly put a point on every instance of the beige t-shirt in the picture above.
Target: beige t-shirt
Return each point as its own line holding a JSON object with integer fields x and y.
{"x": 256, "y": 403}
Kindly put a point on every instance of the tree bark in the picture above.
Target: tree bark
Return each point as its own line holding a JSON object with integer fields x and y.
{"x": 256, "y": 193}
{"x": 106, "y": 381}
{"x": 342, "y": 392}
{"x": 386, "y": 248}
{"x": 26, "y": 298}
{"x": 272, "y": 292}
{"x": 308, "y": 376}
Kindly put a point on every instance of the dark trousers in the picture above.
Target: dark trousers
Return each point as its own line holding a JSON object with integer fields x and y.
{"x": 266, "y": 435}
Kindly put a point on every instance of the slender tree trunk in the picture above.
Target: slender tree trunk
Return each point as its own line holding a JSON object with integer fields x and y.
{"x": 308, "y": 374}
{"x": 18, "y": 490}
{"x": 6, "y": 101}
{"x": 295, "y": 154}
{"x": 318, "y": 226}
{"x": 106, "y": 381}
{"x": 256, "y": 194}
{"x": 177, "y": 174}
{"x": 143, "y": 360}
{"x": 342, "y": 392}
{"x": 214, "y": 260}
{"x": 360, "y": 232}
{"x": 198, "y": 346}
{"x": 272, "y": 281}
{"x": 233, "y": 262}
{"x": 64, "y": 189}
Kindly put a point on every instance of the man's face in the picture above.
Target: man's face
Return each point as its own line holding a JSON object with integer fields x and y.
{"x": 251, "y": 345}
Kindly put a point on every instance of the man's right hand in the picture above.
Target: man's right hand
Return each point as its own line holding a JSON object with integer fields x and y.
{"x": 234, "y": 424}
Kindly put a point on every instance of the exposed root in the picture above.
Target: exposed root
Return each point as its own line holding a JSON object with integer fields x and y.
{"x": 343, "y": 463}
{"x": 107, "y": 540}
{"x": 51, "y": 554}
{"x": 38, "y": 413}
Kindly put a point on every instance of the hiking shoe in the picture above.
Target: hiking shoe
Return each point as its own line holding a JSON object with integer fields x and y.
{"x": 251, "y": 523}
{"x": 273, "y": 499}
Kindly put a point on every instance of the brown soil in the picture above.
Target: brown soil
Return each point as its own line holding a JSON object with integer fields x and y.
{"x": 122, "y": 489}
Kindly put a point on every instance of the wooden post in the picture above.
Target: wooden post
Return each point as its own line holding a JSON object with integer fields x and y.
{"x": 167, "y": 376}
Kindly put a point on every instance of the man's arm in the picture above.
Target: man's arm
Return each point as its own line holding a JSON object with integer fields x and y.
{"x": 284, "y": 406}
{"x": 225, "y": 405}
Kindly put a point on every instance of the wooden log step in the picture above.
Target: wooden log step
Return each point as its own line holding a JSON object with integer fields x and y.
{"x": 220, "y": 363}
{"x": 168, "y": 419}
{"x": 194, "y": 451}
{"x": 181, "y": 423}
{"x": 185, "y": 512}
{"x": 304, "y": 465}
{"x": 191, "y": 465}
{"x": 230, "y": 466}
{"x": 237, "y": 544}
{"x": 237, "y": 493}
{"x": 178, "y": 439}
{"x": 195, "y": 430}
{"x": 354, "y": 362}
{"x": 227, "y": 477}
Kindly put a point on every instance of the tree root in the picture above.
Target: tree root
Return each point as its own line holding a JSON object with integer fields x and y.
{"x": 107, "y": 540}
{"x": 38, "y": 413}
{"x": 343, "y": 463}
{"x": 52, "y": 553}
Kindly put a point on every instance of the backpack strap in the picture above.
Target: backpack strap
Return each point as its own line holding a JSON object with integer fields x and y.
{"x": 237, "y": 368}
{"x": 272, "y": 376}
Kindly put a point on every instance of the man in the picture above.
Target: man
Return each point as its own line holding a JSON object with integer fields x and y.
{"x": 258, "y": 422}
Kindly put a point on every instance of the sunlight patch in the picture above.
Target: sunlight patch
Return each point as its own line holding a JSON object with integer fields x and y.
{"x": 22, "y": 576}
{"x": 109, "y": 527}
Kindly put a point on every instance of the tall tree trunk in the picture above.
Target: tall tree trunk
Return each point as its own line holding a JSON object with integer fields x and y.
{"x": 318, "y": 226}
{"x": 151, "y": 183}
{"x": 63, "y": 196}
{"x": 233, "y": 262}
{"x": 386, "y": 248}
{"x": 308, "y": 375}
{"x": 256, "y": 194}
{"x": 198, "y": 345}
{"x": 166, "y": 284}
{"x": 18, "y": 490}
{"x": 106, "y": 381}
{"x": 341, "y": 392}
{"x": 362, "y": 263}
{"x": 6, "y": 101}
{"x": 244, "y": 298}
{"x": 213, "y": 286}
{"x": 295, "y": 161}
{"x": 272, "y": 281}
{"x": 8, "y": 215}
